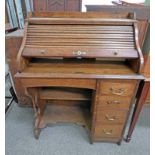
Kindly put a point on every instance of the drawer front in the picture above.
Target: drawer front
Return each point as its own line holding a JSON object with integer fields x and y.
{"x": 43, "y": 82}
{"x": 108, "y": 131}
{"x": 111, "y": 116}
{"x": 106, "y": 101}
{"x": 118, "y": 88}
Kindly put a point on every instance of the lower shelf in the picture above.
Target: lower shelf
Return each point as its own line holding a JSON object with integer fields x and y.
{"x": 65, "y": 114}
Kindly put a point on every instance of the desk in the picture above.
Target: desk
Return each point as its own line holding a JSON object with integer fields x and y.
{"x": 81, "y": 68}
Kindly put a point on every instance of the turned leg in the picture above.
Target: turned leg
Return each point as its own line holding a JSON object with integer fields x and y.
{"x": 138, "y": 107}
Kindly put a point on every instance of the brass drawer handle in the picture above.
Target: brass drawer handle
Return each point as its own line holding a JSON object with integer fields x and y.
{"x": 107, "y": 132}
{"x": 110, "y": 118}
{"x": 113, "y": 102}
{"x": 79, "y": 53}
{"x": 120, "y": 91}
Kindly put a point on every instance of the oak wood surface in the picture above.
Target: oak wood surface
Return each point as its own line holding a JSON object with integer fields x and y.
{"x": 59, "y": 82}
{"x": 111, "y": 116}
{"x": 79, "y": 15}
{"x": 65, "y": 94}
{"x": 65, "y": 114}
{"x": 72, "y": 52}
{"x": 80, "y": 103}
{"x": 118, "y": 88}
{"x": 82, "y": 21}
{"x": 84, "y": 68}
{"x": 13, "y": 42}
{"x": 114, "y": 102}
{"x": 108, "y": 131}
{"x": 112, "y": 37}
{"x": 53, "y": 76}
{"x": 57, "y": 5}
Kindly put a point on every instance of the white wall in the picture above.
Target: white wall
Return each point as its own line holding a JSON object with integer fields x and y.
{"x": 95, "y": 2}
{"x": 105, "y": 2}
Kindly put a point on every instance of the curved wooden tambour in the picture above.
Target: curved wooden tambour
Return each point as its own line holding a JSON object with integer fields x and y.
{"x": 80, "y": 40}
{"x": 81, "y": 35}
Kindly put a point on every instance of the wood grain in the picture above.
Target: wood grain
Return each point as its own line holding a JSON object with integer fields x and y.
{"x": 12, "y": 44}
{"x": 114, "y": 102}
{"x": 57, "y": 5}
{"x": 63, "y": 114}
{"x": 118, "y": 88}
{"x": 113, "y": 130}
{"x": 65, "y": 94}
{"x": 81, "y": 57}
{"x": 111, "y": 116}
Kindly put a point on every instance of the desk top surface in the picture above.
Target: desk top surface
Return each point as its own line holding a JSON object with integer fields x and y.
{"x": 80, "y": 70}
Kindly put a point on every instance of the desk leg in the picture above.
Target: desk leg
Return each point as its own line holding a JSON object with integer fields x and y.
{"x": 32, "y": 93}
{"x": 41, "y": 109}
{"x": 141, "y": 98}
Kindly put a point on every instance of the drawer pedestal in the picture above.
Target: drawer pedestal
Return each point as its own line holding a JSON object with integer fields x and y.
{"x": 113, "y": 101}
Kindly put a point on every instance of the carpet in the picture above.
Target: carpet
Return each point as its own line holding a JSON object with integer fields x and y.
{"x": 68, "y": 139}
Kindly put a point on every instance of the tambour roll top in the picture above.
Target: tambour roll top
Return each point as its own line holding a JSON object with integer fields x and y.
{"x": 85, "y": 66}
{"x": 80, "y": 35}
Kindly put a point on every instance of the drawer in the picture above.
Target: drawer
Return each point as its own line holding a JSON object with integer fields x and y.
{"x": 111, "y": 116}
{"x": 118, "y": 88}
{"x": 45, "y": 82}
{"x": 108, "y": 131}
{"x": 106, "y": 101}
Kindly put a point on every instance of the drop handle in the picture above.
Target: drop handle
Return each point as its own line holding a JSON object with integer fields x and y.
{"x": 107, "y": 132}
{"x": 119, "y": 92}
{"x": 110, "y": 118}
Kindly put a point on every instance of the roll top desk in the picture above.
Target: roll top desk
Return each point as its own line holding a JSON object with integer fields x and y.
{"x": 81, "y": 68}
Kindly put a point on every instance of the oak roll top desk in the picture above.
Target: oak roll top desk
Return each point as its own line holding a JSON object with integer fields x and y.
{"x": 81, "y": 68}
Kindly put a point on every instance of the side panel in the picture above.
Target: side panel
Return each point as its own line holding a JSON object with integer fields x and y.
{"x": 13, "y": 44}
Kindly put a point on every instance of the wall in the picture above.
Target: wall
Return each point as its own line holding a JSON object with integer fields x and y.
{"x": 107, "y": 2}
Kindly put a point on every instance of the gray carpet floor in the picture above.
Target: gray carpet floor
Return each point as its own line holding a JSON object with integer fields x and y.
{"x": 68, "y": 139}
